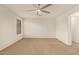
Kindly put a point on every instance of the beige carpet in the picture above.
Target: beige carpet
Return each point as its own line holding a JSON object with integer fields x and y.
{"x": 40, "y": 47}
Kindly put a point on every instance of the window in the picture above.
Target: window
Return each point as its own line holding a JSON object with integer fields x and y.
{"x": 18, "y": 26}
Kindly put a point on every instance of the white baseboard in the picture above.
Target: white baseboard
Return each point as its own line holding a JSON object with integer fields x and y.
{"x": 39, "y": 36}
{"x": 65, "y": 42}
{"x": 19, "y": 37}
{"x": 76, "y": 41}
{"x": 8, "y": 44}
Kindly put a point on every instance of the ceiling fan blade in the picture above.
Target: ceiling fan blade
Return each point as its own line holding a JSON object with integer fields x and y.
{"x": 45, "y": 11}
{"x": 46, "y": 6}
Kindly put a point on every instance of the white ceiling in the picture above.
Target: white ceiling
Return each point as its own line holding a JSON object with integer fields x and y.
{"x": 55, "y": 9}
{"x": 75, "y": 14}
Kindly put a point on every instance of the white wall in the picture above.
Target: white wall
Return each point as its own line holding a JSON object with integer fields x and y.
{"x": 75, "y": 28}
{"x": 40, "y": 27}
{"x": 7, "y": 27}
{"x": 63, "y": 28}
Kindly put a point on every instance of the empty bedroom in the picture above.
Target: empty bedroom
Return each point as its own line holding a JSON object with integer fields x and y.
{"x": 38, "y": 29}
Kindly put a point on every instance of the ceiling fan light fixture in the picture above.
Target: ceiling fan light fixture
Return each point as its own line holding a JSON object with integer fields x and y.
{"x": 38, "y": 10}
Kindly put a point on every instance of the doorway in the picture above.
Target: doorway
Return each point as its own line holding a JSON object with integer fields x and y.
{"x": 74, "y": 19}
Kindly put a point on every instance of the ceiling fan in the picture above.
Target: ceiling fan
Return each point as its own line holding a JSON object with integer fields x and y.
{"x": 40, "y": 9}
